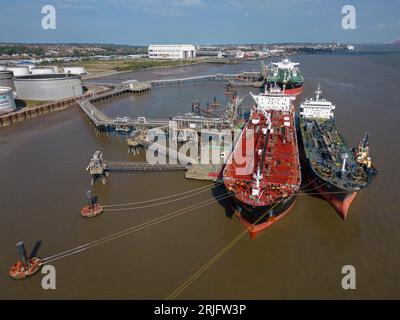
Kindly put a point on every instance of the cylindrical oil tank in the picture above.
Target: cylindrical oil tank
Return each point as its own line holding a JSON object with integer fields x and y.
{"x": 6, "y": 79}
{"x": 56, "y": 69}
{"x": 19, "y": 71}
{"x": 7, "y": 102}
{"x": 29, "y": 65}
{"x": 43, "y": 70}
{"x": 48, "y": 87}
{"x": 75, "y": 70}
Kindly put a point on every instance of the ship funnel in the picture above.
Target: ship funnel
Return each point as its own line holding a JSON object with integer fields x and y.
{"x": 22, "y": 253}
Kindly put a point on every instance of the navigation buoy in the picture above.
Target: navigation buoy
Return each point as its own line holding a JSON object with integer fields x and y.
{"x": 93, "y": 209}
{"x": 24, "y": 267}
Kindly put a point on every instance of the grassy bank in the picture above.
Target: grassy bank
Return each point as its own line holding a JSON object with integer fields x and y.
{"x": 95, "y": 67}
{"x": 146, "y": 64}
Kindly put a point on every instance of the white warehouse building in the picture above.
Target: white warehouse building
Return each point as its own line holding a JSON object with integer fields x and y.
{"x": 172, "y": 52}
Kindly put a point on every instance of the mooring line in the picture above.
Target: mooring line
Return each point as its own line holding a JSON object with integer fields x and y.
{"x": 162, "y": 198}
{"x": 133, "y": 229}
{"x": 206, "y": 266}
{"x": 308, "y": 183}
{"x": 302, "y": 190}
{"x": 316, "y": 193}
{"x": 160, "y": 203}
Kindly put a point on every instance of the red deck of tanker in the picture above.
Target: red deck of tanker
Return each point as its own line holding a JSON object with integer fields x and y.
{"x": 280, "y": 170}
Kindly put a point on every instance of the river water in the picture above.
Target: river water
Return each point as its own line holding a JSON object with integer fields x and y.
{"x": 43, "y": 183}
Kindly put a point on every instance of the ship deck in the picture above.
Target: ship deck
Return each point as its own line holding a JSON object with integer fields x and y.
{"x": 324, "y": 147}
{"x": 275, "y": 153}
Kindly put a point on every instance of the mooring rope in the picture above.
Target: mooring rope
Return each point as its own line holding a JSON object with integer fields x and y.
{"x": 314, "y": 193}
{"x": 160, "y": 203}
{"x": 206, "y": 266}
{"x": 302, "y": 190}
{"x": 133, "y": 229}
{"x": 163, "y": 198}
{"x": 309, "y": 183}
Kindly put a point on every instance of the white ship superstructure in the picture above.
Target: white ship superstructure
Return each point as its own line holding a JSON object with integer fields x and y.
{"x": 318, "y": 108}
{"x": 274, "y": 99}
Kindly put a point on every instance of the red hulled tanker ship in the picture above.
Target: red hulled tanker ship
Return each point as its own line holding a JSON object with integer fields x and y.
{"x": 263, "y": 171}
{"x": 286, "y": 75}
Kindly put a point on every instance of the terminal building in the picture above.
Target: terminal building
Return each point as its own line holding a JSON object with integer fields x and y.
{"x": 172, "y": 52}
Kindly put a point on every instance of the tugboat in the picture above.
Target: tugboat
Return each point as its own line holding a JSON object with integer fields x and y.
{"x": 24, "y": 267}
{"x": 265, "y": 180}
{"x": 334, "y": 170}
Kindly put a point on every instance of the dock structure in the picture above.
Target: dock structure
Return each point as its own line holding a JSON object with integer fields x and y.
{"x": 100, "y": 168}
{"x": 193, "y": 80}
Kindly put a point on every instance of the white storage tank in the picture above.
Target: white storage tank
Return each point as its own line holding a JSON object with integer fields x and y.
{"x": 56, "y": 69}
{"x": 46, "y": 87}
{"x": 6, "y": 79}
{"x": 75, "y": 70}
{"x": 43, "y": 70}
{"x": 29, "y": 65}
{"x": 7, "y": 102}
{"x": 19, "y": 71}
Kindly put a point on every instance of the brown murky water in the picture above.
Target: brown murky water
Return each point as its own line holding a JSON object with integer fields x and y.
{"x": 42, "y": 186}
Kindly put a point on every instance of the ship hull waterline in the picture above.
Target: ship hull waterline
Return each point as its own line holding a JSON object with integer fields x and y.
{"x": 338, "y": 198}
{"x": 257, "y": 219}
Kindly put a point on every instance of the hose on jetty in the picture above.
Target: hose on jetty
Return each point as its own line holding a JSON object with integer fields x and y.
{"x": 133, "y": 229}
{"x": 178, "y": 197}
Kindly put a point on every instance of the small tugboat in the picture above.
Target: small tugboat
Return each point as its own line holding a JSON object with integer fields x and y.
{"x": 93, "y": 209}
{"x": 24, "y": 267}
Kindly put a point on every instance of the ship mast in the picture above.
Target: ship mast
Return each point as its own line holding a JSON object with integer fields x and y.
{"x": 318, "y": 92}
{"x": 345, "y": 156}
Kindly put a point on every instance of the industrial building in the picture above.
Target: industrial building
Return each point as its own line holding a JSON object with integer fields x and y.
{"x": 172, "y": 52}
{"x": 48, "y": 86}
{"x": 7, "y": 102}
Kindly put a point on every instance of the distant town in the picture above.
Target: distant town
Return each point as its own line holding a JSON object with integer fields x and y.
{"x": 72, "y": 52}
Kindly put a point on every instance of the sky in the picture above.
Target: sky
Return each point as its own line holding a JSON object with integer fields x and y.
{"x": 142, "y": 22}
